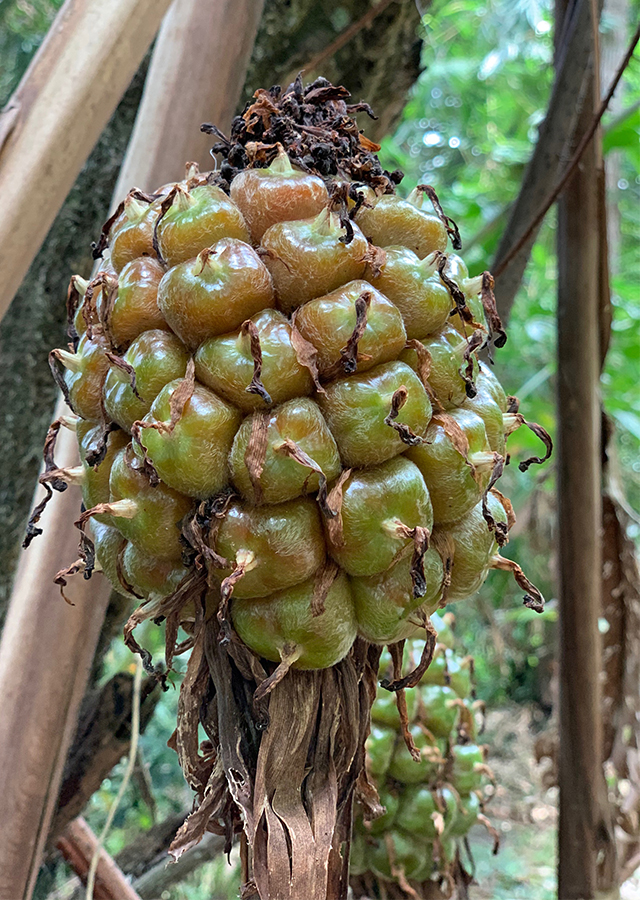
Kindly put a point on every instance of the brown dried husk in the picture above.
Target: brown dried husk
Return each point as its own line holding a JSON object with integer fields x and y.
{"x": 285, "y": 771}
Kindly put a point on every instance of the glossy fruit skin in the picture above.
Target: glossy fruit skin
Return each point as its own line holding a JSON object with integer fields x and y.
{"x": 380, "y": 746}
{"x": 393, "y": 221}
{"x": 109, "y": 544}
{"x": 267, "y": 624}
{"x": 384, "y": 603}
{"x": 198, "y": 218}
{"x": 385, "y": 710}
{"x": 422, "y": 298}
{"x": 373, "y": 502}
{"x": 447, "y": 665}
{"x": 192, "y": 457}
{"x": 416, "y": 812}
{"x": 157, "y": 358}
{"x": 328, "y": 322}
{"x": 355, "y": 409}
{"x": 148, "y": 575}
{"x": 406, "y": 770}
{"x": 286, "y": 539}
{"x": 307, "y": 259}
{"x": 490, "y": 403}
{"x": 447, "y": 359}
{"x": 467, "y": 758}
{"x": 225, "y": 364}
{"x": 131, "y": 235}
{"x": 474, "y": 545}
{"x": 135, "y": 308}
{"x": 467, "y": 813}
{"x": 95, "y": 486}
{"x": 450, "y": 480}
{"x": 412, "y": 856}
{"x": 215, "y": 292}
{"x": 488, "y": 383}
{"x": 442, "y": 710}
{"x": 85, "y": 385}
{"x": 484, "y": 406}
{"x": 282, "y": 478}
{"x": 457, "y": 271}
{"x": 278, "y": 193}
{"x": 155, "y": 527}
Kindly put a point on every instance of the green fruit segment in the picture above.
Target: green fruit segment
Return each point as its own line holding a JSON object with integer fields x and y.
{"x": 329, "y": 323}
{"x": 285, "y": 542}
{"x": 411, "y": 856}
{"x": 384, "y": 603}
{"x": 453, "y": 485}
{"x": 467, "y": 768}
{"x": 417, "y": 812}
{"x": 412, "y": 285}
{"x": 226, "y": 364}
{"x": 273, "y": 625}
{"x": 196, "y": 219}
{"x": 156, "y": 358}
{"x": 282, "y": 478}
{"x": 356, "y": 408}
{"x": 135, "y": 307}
{"x": 385, "y": 709}
{"x": 86, "y": 371}
{"x": 148, "y": 575}
{"x": 308, "y": 259}
{"x": 131, "y": 235}
{"x": 393, "y": 221}
{"x": 378, "y": 505}
{"x": 109, "y": 544}
{"x": 473, "y": 545}
{"x": 380, "y": 746}
{"x": 447, "y": 352}
{"x": 156, "y": 512}
{"x": 278, "y": 193}
{"x": 442, "y": 709}
{"x": 191, "y": 454}
{"x": 95, "y": 483}
{"x": 431, "y": 804}
{"x": 484, "y": 406}
{"x": 456, "y": 270}
{"x": 432, "y": 754}
{"x": 215, "y": 292}
{"x": 385, "y": 822}
{"x": 447, "y": 668}
{"x": 468, "y": 810}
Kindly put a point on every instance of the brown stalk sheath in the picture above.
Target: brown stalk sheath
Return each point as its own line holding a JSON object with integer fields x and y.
{"x": 78, "y": 843}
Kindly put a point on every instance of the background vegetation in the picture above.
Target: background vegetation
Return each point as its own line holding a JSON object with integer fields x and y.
{"x": 467, "y": 129}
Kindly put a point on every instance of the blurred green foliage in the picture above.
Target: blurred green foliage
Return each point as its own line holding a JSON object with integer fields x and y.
{"x": 23, "y": 25}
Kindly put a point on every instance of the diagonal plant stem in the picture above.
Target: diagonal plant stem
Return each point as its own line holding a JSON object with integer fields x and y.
{"x": 555, "y": 135}
{"x": 575, "y": 159}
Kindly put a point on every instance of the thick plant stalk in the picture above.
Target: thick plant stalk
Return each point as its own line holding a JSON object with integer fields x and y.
{"x": 78, "y": 844}
{"x": 45, "y": 656}
{"x": 586, "y": 844}
{"x": 48, "y": 646}
{"x": 220, "y": 35}
{"x": 56, "y": 115}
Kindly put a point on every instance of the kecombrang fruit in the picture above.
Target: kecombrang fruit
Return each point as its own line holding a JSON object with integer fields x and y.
{"x": 275, "y": 369}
